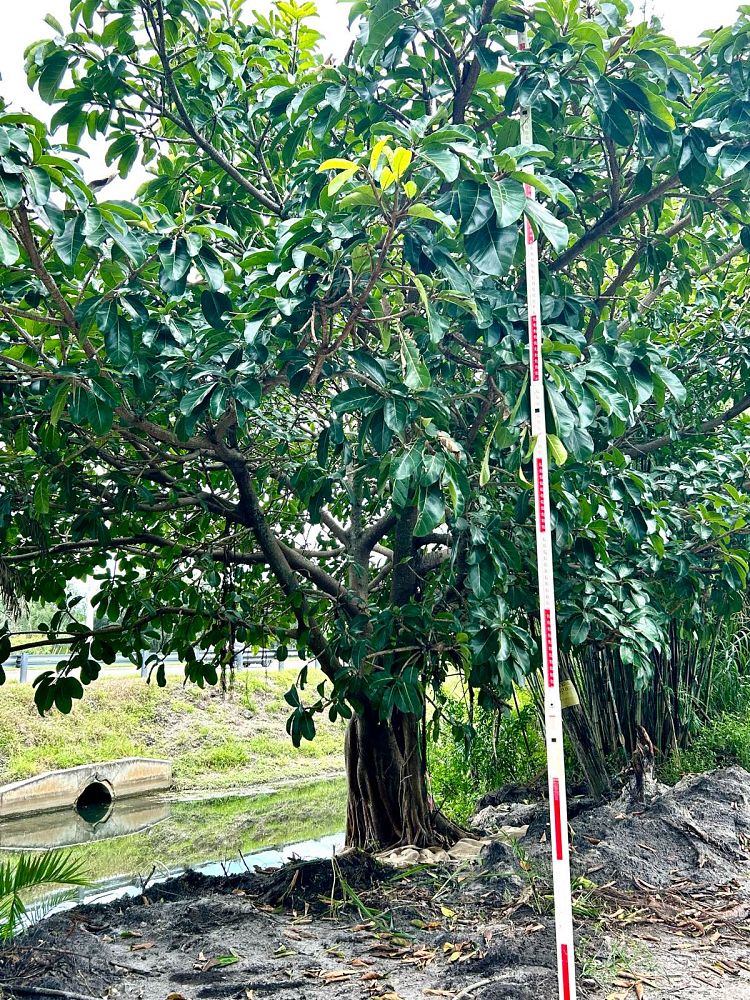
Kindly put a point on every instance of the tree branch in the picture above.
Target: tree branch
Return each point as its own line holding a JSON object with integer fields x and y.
{"x": 611, "y": 220}
{"x": 707, "y": 427}
{"x": 216, "y": 155}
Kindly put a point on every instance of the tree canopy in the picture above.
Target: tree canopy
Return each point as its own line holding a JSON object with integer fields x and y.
{"x": 285, "y": 386}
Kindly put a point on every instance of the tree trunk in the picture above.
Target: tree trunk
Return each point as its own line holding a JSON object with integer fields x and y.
{"x": 388, "y": 802}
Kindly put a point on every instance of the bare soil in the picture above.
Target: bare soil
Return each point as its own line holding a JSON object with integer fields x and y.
{"x": 662, "y": 903}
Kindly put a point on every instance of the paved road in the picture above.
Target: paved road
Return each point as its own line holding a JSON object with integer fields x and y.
{"x": 128, "y": 670}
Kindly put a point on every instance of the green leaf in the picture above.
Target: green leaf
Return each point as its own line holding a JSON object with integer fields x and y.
{"x": 58, "y": 405}
{"x": 416, "y": 375}
{"x": 340, "y": 180}
{"x": 359, "y": 398}
{"x": 213, "y": 307}
{"x": 39, "y": 184}
{"x": 51, "y": 76}
{"x": 425, "y": 212}
{"x": 555, "y": 231}
{"x": 118, "y": 342}
{"x": 210, "y": 265}
{"x": 432, "y": 512}
{"x": 476, "y": 207}
{"x": 509, "y": 200}
{"x": 68, "y": 244}
{"x": 491, "y": 249}
{"x": 10, "y": 189}
{"x": 362, "y": 195}
{"x": 639, "y": 99}
{"x": 443, "y": 160}
{"x": 175, "y": 258}
{"x": 672, "y": 382}
{"x": 196, "y": 399}
{"x": 733, "y": 158}
{"x": 383, "y": 21}
{"x": 557, "y": 449}
{"x": 9, "y": 250}
{"x": 41, "y": 494}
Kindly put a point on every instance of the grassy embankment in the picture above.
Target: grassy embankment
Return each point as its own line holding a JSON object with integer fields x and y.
{"x": 216, "y": 741}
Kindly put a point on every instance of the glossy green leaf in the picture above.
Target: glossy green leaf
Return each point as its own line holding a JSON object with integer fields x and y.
{"x": 9, "y": 250}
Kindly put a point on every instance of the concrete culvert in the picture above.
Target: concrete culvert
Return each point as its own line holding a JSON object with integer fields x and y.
{"x": 95, "y": 801}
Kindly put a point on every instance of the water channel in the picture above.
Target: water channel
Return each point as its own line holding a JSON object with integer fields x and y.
{"x": 156, "y": 837}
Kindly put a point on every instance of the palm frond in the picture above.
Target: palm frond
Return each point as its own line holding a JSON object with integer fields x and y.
{"x": 32, "y": 871}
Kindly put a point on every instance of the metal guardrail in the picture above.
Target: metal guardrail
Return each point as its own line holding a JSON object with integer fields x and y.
{"x": 24, "y": 661}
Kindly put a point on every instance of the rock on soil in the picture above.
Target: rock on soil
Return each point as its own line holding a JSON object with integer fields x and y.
{"x": 662, "y": 904}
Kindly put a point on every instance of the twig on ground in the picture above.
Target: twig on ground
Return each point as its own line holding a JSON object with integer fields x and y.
{"x": 40, "y": 991}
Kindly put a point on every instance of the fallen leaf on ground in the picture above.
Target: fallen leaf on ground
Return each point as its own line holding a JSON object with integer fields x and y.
{"x": 218, "y": 961}
{"x": 336, "y": 976}
{"x": 142, "y": 946}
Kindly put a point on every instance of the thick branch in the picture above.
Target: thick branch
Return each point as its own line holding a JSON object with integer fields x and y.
{"x": 611, "y": 220}
{"x": 253, "y": 518}
{"x": 707, "y": 427}
{"x": 472, "y": 70}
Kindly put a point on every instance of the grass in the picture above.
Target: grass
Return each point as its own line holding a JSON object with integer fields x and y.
{"x": 215, "y": 741}
{"x": 720, "y": 743}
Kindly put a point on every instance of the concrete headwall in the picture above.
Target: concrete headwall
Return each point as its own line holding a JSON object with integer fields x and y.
{"x": 61, "y": 789}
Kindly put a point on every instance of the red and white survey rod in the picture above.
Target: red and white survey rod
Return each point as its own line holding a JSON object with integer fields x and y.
{"x": 552, "y": 705}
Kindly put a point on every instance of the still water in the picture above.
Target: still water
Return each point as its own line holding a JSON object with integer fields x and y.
{"x": 155, "y": 838}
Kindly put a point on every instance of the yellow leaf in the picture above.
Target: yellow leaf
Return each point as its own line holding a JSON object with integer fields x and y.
{"x": 377, "y": 152}
{"x": 411, "y": 189}
{"x": 400, "y": 161}
{"x": 557, "y": 449}
{"x": 387, "y": 177}
{"x": 340, "y": 179}
{"x": 337, "y": 164}
{"x": 447, "y": 911}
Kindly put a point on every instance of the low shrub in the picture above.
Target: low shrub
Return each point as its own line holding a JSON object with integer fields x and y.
{"x": 470, "y": 758}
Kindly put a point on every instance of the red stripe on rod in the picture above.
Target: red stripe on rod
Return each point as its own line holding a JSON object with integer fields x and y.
{"x": 565, "y": 965}
{"x": 535, "y": 373}
{"x": 540, "y": 498}
{"x": 558, "y": 819}
{"x": 548, "y": 647}
{"x": 529, "y": 233}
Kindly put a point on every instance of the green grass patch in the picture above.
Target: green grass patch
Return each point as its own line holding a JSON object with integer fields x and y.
{"x": 720, "y": 743}
{"x": 214, "y": 740}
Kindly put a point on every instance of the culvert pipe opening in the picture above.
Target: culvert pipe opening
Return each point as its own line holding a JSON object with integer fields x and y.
{"x": 95, "y": 802}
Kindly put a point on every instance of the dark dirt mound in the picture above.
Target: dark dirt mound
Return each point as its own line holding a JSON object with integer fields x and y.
{"x": 318, "y": 883}
{"x": 699, "y": 830}
{"x": 301, "y": 931}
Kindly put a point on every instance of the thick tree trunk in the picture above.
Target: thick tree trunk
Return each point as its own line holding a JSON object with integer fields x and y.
{"x": 388, "y": 801}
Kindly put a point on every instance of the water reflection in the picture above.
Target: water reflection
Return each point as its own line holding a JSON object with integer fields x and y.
{"x": 92, "y": 821}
